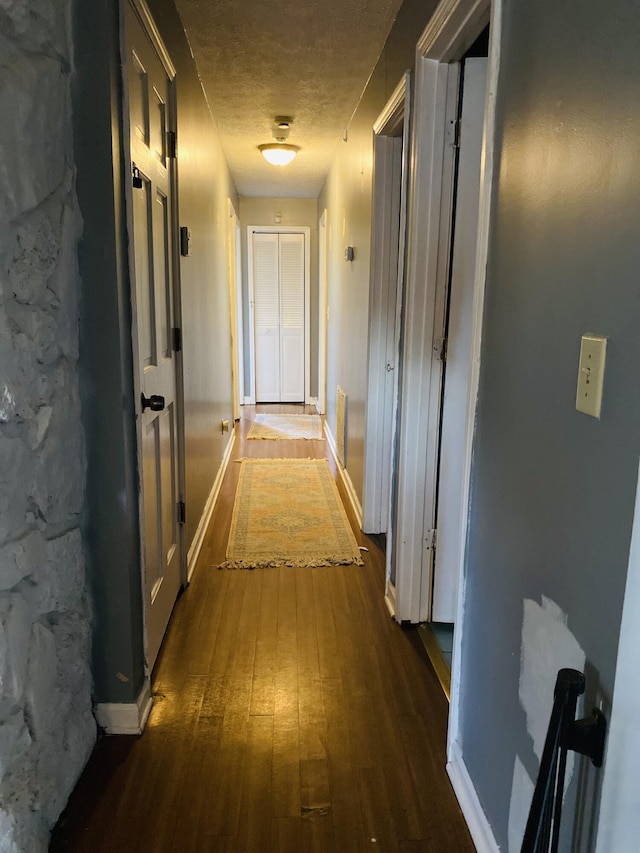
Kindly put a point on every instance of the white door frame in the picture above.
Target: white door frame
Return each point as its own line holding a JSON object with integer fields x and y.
{"x": 323, "y": 294}
{"x": 280, "y": 229}
{"x": 388, "y": 240}
{"x": 147, "y": 23}
{"x": 452, "y": 30}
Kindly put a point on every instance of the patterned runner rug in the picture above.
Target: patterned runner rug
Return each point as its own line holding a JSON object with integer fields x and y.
{"x": 288, "y": 512}
{"x": 286, "y": 426}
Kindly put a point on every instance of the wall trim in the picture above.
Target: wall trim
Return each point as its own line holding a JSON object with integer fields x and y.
{"x": 454, "y": 26}
{"x": 393, "y": 112}
{"x": 126, "y": 718}
{"x": 465, "y": 791}
{"x": 344, "y": 476}
{"x": 203, "y": 524}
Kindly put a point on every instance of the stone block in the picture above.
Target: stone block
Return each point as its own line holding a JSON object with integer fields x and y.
{"x": 15, "y": 741}
{"x": 15, "y": 629}
{"x": 63, "y": 284}
{"x": 41, "y": 706}
{"x": 73, "y": 649}
{"x": 24, "y": 385}
{"x": 41, "y": 330}
{"x": 59, "y": 475}
{"x": 17, "y": 473}
{"x": 56, "y": 583}
{"x": 35, "y": 253}
{"x": 37, "y": 24}
{"x": 35, "y": 145}
{"x": 20, "y": 559}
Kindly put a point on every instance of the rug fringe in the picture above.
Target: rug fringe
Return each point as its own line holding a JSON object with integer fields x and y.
{"x": 292, "y": 564}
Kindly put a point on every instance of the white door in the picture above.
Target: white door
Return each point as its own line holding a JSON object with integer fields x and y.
{"x": 459, "y": 330}
{"x": 279, "y": 310}
{"x": 152, "y": 118}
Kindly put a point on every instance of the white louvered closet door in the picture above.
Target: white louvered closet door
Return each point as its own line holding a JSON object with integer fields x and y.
{"x": 291, "y": 318}
{"x": 278, "y": 274}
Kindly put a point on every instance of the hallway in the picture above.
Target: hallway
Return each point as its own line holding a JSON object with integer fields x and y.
{"x": 290, "y": 714}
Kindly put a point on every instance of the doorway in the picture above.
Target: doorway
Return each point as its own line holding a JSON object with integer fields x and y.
{"x": 390, "y": 177}
{"x": 279, "y": 285}
{"x": 152, "y": 219}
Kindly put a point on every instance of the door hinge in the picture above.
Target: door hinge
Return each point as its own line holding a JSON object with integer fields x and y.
{"x": 441, "y": 348}
{"x": 177, "y": 339}
{"x": 136, "y": 178}
{"x": 172, "y": 144}
{"x": 430, "y": 539}
{"x": 182, "y": 512}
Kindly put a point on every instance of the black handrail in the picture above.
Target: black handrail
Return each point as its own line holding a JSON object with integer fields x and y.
{"x": 565, "y": 733}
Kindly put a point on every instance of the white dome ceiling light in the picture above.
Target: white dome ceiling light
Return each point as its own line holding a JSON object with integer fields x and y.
{"x": 279, "y": 153}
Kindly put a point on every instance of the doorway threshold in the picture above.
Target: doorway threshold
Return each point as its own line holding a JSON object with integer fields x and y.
{"x": 439, "y": 661}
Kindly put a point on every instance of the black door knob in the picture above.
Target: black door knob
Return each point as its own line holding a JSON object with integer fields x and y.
{"x": 155, "y": 402}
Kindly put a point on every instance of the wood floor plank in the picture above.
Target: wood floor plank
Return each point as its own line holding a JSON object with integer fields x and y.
{"x": 286, "y": 834}
{"x": 264, "y": 673}
{"x": 345, "y": 802}
{"x": 291, "y": 715}
{"x": 286, "y": 745}
{"x": 255, "y": 815}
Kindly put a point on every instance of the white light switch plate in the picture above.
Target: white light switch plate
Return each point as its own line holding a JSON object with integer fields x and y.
{"x": 593, "y": 352}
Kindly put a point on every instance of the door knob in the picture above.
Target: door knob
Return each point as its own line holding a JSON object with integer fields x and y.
{"x": 155, "y": 402}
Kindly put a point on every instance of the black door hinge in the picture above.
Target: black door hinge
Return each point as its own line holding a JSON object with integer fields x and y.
{"x": 182, "y": 512}
{"x": 172, "y": 144}
{"x": 177, "y": 339}
{"x": 136, "y": 178}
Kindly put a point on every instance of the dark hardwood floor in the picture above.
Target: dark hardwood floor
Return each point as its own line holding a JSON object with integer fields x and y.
{"x": 290, "y": 714}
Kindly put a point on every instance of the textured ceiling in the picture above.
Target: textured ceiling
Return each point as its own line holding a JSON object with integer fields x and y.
{"x": 308, "y": 59}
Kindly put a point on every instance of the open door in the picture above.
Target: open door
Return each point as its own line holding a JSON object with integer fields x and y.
{"x": 152, "y": 228}
{"x": 457, "y": 350}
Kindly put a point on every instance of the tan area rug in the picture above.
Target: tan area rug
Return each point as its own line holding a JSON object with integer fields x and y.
{"x": 288, "y": 512}
{"x": 286, "y": 426}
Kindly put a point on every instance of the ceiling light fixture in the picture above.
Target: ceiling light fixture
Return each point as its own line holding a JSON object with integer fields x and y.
{"x": 279, "y": 153}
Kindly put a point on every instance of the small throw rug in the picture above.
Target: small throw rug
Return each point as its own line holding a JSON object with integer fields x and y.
{"x": 288, "y": 512}
{"x": 286, "y": 426}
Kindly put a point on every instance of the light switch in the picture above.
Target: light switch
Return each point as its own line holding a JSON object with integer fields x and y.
{"x": 593, "y": 352}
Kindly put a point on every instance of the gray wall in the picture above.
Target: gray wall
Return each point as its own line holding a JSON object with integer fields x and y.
{"x": 553, "y": 490}
{"x": 294, "y": 212}
{"x": 347, "y": 196}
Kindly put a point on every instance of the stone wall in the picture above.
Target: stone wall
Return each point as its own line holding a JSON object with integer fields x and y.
{"x": 46, "y": 725}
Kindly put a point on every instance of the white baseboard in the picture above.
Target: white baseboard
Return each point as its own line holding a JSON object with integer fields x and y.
{"x": 198, "y": 539}
{"x": 125, "y": 718}
{"x": 312, "y": 401}
{"x": 248, "y": 401}
{"x": 344, "y": 476}
{"x": 465, "y": 791}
